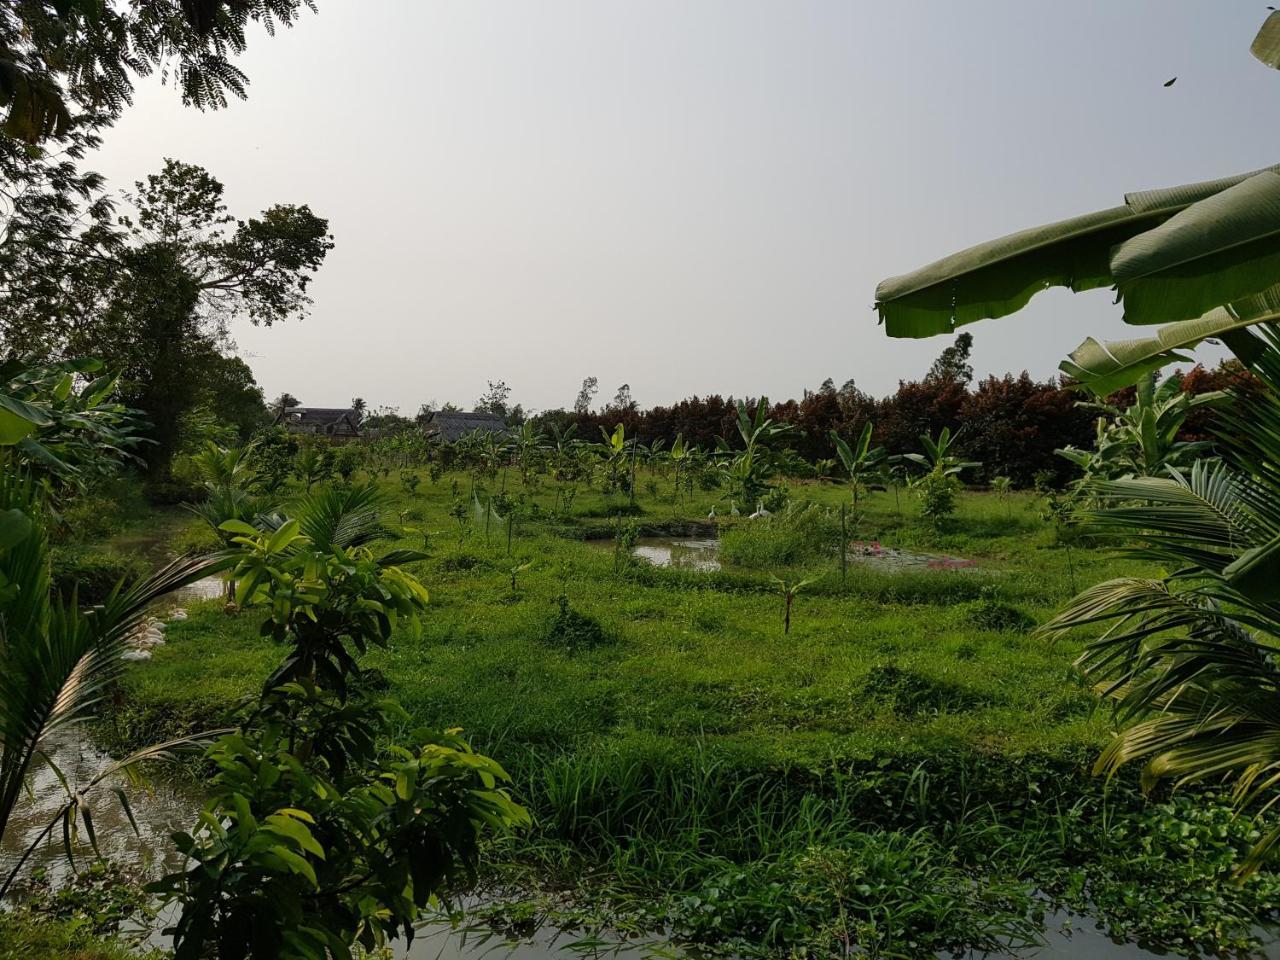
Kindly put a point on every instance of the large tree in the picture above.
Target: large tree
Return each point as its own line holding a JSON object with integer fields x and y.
{"x": 68, "y": 57}
{"x": 154, "y": 293}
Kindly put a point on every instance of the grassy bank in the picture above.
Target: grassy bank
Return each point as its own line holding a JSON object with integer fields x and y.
{"x": 903, "y": 770}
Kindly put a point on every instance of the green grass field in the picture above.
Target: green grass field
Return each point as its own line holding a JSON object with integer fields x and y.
{"x": 903, "y": 770}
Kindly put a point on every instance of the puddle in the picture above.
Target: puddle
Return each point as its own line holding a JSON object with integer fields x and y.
{"x": 688, "y": 553}
{"x": 209, "y": 588}
{"x": 167, "y": 806}
{"x": 873, "y": 554}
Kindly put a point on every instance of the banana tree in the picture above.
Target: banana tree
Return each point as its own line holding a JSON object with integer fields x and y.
{"x": 938, "y": 457}
{"x": 750, "y": 469}
{"x": 1188, "y": 657}
{"x": 860, "y": 461}
{"x": 1142, "y": 440}
{"x": 614, "y": 452}
{"x": 1171, "y": 254}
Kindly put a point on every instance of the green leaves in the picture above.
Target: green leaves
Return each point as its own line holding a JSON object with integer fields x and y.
{"x": 1266, "y": 45}
{"x": 1105, "y": 368}
{"x": 1217, "y": 250}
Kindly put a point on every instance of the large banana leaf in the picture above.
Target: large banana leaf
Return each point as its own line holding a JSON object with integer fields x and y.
{"x": 1105, "y": 368}
{"x": 1236, "y": 234}
{"x": 1215, "y": 251}
{"x": 1266, "y": 45}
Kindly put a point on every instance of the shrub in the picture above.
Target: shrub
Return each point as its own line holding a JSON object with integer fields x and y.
{"x": 909, "y": 693}
{"x": 800, "y": 535}
{"x": 937, "y": 493}
{"x": 94, "y": 572}
{"x": 573, "y": 630}
{"x": 988, "y": 613}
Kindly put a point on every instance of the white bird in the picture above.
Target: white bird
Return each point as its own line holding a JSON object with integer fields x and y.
{"x": 733, "y": 508}
{"x": 760, "y": 512}
{"x": 712, "y": 514}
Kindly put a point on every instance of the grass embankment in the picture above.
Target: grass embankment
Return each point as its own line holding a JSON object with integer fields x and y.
{"x": 901, "y": 771}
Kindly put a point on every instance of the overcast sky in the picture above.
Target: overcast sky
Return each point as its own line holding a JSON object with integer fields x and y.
{"x": 692, "y": 196}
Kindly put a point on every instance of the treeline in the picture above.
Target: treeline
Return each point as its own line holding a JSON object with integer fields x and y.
{"x": 1012, "y": 424}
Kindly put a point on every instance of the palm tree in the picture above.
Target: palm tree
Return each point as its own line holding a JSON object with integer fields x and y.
{"x": 58, "y": 661}
{"x": 1190, "y": 658}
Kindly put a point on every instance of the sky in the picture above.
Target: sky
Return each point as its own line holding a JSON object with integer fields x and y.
{"x": 692, "y": 197}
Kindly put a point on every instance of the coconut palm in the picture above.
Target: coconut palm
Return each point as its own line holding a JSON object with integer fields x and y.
{"x": 58, "y": 661}
{"x": 1190, "y": 658}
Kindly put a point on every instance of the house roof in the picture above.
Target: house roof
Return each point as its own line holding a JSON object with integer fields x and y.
{"x": 331, "y": 420}
{"x": 454, "y": 425}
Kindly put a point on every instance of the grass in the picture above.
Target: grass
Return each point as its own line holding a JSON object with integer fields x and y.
{"x": 901, "y": 771}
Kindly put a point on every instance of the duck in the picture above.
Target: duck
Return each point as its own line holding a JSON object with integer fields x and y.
{"x": 712, "y": 514}
{"x": 760, "y": 512}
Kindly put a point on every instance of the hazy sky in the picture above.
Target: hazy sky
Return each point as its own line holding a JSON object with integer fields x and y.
{"x": 693, "y": 196}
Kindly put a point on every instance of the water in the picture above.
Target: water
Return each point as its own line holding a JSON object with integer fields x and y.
{"x": 688, "y": 553}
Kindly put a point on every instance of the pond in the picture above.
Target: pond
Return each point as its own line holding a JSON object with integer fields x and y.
{"x": 688, "y": 553}
{"x": 170, "y": 805}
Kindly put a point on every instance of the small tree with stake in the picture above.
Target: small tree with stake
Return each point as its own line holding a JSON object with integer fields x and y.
{"x": 789, "y": 589}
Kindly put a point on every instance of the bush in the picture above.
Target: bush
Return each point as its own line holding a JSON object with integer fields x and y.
{"x": 800, "y": 535}
{"x": 910, "y": 694}
{"x": 93, "y": 572}
{"x": 988, "y": 613}
{"x": 573, "y": 630}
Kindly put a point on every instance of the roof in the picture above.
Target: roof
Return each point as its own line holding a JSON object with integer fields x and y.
{"x": 455, "y": 425}
{"x": 333, "y": 421}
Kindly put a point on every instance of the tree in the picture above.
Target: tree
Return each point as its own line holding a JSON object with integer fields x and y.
{"x": 281, "y": 404}
{"x": 495, "y": 398}
{"x": 358, "y": 407}
{"x": 83, "y": 55}
{"x": 952, "y": 364}
{"x": 583, "y": 404}
{"x": 157, "y": 298}
{"x": 622, "y": 399}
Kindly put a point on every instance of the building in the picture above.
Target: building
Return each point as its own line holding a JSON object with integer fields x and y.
{"x": 451, "y": 427}
{"x": 338, "y": 424}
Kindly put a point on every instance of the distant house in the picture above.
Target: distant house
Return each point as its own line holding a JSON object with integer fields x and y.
{"x": 450, "y": 427}
{"x": 336, "y": 423}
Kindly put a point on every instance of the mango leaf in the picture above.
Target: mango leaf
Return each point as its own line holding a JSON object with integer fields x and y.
{"x": 15, "y": 526}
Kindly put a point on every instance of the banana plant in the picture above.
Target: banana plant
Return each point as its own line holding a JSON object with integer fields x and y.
{"x": 613, "y": 452}
{"x": 750, "y": 469}
{"x": 789, "y": 589}
{"x": 1142, "y": 440}
{"x": 860, "y": 461}
{"x": 938, "y": 456}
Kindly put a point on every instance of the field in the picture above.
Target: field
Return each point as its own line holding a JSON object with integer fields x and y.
{"x": 907, "y": 767}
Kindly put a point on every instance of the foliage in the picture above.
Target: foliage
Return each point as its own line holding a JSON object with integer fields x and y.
{"x": 936, "y": 491}
{"x": 1143, "y": 439}
{"x": 321, "y": 832}
{"x": 85, "y": 54}
{"x": 67, "y": 434}
{"x": 58, "y": 662}
{"x": 1189, "y": 656}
